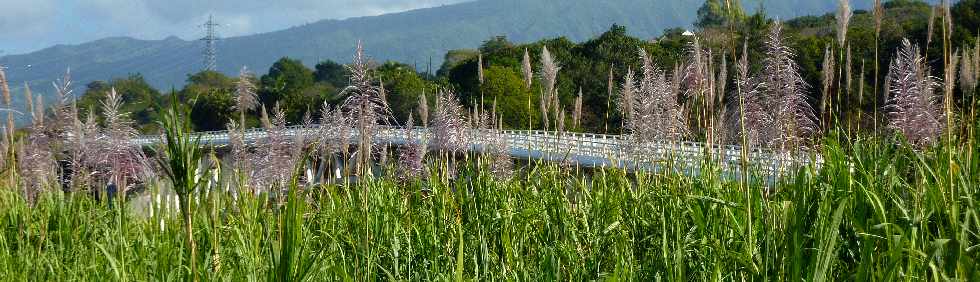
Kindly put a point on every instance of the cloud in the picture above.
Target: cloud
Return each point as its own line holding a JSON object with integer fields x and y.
{"x": 22, "y": 20}
{"x": 36, "y": 24}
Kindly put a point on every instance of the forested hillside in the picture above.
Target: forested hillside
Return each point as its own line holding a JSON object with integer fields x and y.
{"x": 585, "y": 67}
{"x": 413, "y": 38}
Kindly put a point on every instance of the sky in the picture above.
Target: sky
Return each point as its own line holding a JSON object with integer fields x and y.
{"x": 30, "y": 25}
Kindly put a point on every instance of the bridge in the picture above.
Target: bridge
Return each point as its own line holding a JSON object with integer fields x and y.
{"x": 581, "y": 149}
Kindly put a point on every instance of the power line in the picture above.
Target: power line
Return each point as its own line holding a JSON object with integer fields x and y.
{"x": 210, "y": 44}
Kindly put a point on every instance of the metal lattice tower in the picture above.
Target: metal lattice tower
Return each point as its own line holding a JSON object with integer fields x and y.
{"x": 210, "y": 44}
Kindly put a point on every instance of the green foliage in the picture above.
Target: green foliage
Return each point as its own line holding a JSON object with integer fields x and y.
{"x": 290, "y": 84}
{"x": 507, "y": 87}
{"x": 402, "y": 88}
{"x": 181, "y": 163}
{"x": 714, "y": 13}
{"x": 966, "y": 18}
{"x": 140, "y": 100}
{"x": 331, "y": 72}
{"x": 584, "y": 65}
{"x": 875, "y": 211}
{"x": 214, "y": 105}
{"x": 454, "y": 58}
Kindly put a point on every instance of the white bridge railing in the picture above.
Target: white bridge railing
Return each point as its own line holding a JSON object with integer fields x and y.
{"x": 586, "y": 149}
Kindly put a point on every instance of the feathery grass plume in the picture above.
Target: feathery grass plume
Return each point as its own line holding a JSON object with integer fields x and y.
{"x": 976, "y": 57}
{"x": 5, "y": 90}
{"x": 912, "y": 106}
{"x": 948, "y": 17}
{"x": 502, "y": 166}
{"x": 549, "y": 77}
{"x": 474, "y": 121}
{"x": 610, "y": 90}
{"x": 245, "y": 96}
{"x": 366, "y": 105}
{"x": 949, "y": 84}
{"x": 626, "y": 96}
{"x": 526, "y": 69}
{"x": 561, "y": 121}
{"x": 543, "y": 103}
{"x": 29, "y": 102}
{"x": 64, "y": 109}
{"x": 828, "y": 70}
{"x": 657, "y": 117}
{"x": 677, "y": 78}
{"x": 36, "y": 163}
{"x": 697, "y": 87}
{"x": 493, "y": 109}
{"x": 125, "y": 162}
{"x": 299, "y": 140}
{"x": 264, "y": 118}
{"x": 481, "y": 119}
{"x": 448, "y": 124}
{"x": 968, "y": 77}
{"x": 794, "y": 120}
{"x": 80, "y": 140}
{"x": 334, "y": 134}
{"x": 747, "y": 116}
{"x": 556, "y": 107}
{"x": 696, "y": 72}
{"x": 39, "y": 109}
{"x": 577, "y": 111}
{"x": 424, "y": 109}
{"x": 549, "y": 72}
{"x": 84, "y": 145}
{"x": 479, "y": 67}
{"x": 932, "y": 26}
{"x": 274, "y": 159}
{"x": 878, "y": 11}
{"x": 381, "y": 90}
{"x": 240, "y": 155}
{"x": 722, "y": 81}
{"x": 4, "y": 146}
{"x": 411, "y": 156}
{"x": 844, "y": 14}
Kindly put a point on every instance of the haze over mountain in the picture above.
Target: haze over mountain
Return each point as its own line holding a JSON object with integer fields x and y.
{"x": 413, "y": 37}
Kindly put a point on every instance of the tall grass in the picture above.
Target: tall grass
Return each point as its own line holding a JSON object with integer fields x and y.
{"x": 901, "y": 206}
{"x": 874, "y": 211}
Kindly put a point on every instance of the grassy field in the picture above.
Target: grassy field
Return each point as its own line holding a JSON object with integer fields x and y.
{"x": 896, "y": 200}
{"x": 873, "y": 211}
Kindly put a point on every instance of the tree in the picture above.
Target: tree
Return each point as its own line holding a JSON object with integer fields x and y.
{"x": 403, "y": 87}
{"x": 714, "y": 13}
{"x": 331, "y": 72}
{"x": 454, "y": 58}
{"x": 506, "y": 86}
{"x": 495, "y": 44}
{"x": 213, "y": 103}
{"x": 138, "y": 98}
{"x": 213, "y": 111}
{"x": 205, "y": 82}
{"x": 290, "y": 84}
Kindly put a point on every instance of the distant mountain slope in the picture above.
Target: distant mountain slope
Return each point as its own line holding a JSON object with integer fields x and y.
{"x": 413, "y": 37}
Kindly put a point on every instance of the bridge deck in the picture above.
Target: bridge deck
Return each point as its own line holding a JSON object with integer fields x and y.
{"x": 584, "y": 149}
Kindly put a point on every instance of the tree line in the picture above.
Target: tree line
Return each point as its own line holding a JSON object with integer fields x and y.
{"x": 591, "y": 73}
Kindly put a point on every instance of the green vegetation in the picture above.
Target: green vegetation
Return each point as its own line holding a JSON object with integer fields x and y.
{"x": 299, "y": 89}
{"x": 890, "y": 191}
{"x": 873, "y": 212}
